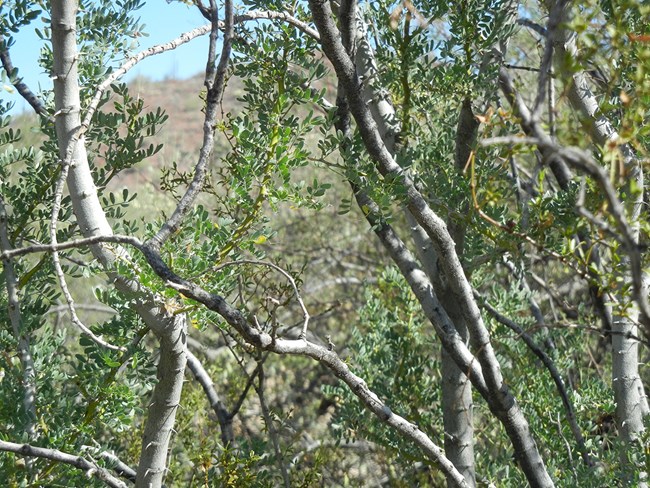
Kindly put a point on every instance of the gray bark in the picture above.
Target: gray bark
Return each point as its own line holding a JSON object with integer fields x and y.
{"x": 89, "y": 467}
{"x": 170, "y": 330}
{"x": 259, "y": 339}
{"x": 202, "y": 376}
{"x": 456, "y": 389}
{"x": 457, "y": 403}
{"x": 629, "y": 392}
{"x": 500, "y": 400}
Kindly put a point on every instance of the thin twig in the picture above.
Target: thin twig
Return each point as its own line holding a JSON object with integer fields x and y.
{"x": 70, "y": 300}
{"x": 597, "y": 330}
{"x": 244, "y": 393}
{"x": 305, "y": 313}
{"x": 76, "y": 243}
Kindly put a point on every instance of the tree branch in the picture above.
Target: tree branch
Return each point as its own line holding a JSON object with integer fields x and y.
{"x": 121, "y": 468}
{"x": 579, "y": 159}
{"x": 501, "y": 401}
{"x": 170, "y": 328}
{"x": 329, "y": 358}
{"x": 555, "y": 374}
{"x": 90, "y": 468}
{"x": 18, "y": 83}
{"x": 215, "y": 76}
{"x": 202, "y": 376}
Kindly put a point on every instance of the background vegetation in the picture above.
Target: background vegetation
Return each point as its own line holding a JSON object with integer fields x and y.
{"x": 263, "y": 212}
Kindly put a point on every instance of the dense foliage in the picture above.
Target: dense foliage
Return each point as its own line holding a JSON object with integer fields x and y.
{"x": 298, "y": 245}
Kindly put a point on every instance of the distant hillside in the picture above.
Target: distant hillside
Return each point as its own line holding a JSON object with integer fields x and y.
{"x": 182, "y": 134}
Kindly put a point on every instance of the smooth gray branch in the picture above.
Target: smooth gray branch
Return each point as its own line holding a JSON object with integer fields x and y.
{"x": 552, "y": 369}
{"x": 22, "y": 88}
{"x": 90, "y": 468}
{"x": 202, "y": 376}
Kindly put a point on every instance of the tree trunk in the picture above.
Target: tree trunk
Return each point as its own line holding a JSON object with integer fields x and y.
{"x": 170, "y": 329}
{"x": 629, "y": 393}
{"x": 456, "y": 389}
{"x": 498, "y": 396}
{"x": 457, "y": 403}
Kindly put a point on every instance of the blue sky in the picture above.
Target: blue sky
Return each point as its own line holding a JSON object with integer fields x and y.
{"x": 164, "y": 22}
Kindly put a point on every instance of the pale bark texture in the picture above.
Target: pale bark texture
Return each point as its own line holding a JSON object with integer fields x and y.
{"x": 629, "y": 391}
{"x": 223, "y": 416}
{"x": 500, "y": 400}
{"x": 63, "y": 457}
{"x": 457, "y": 402}
{"x": 302, "y": 347}
{"x": 456, "y": 389}
{"x": 170, "y": 329}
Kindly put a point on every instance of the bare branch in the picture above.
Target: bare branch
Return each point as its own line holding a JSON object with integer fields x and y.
{"x": 121, "y": 468}
{"x": 24, "y": 91}
{"x": 329, "y": 358}
{"x": 82, "y": 306}
{"x": 512, "y": 140}
{"x": 305, "y": 313}
{"x": 271, "y": 15}
{"x": 552, "y": 369}
{"x": 90, "y": 468}
{"x": 76, "y": 243}
{"x": 202, "y": 376}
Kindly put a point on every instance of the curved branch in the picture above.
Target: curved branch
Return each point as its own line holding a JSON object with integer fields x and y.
{"x": 552, "y": 369}
{"x": 329, "y": 358}
{"x": 22, "y": 88}
{"x": 271, "y": 15}
{"x": 265, "y": 341}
